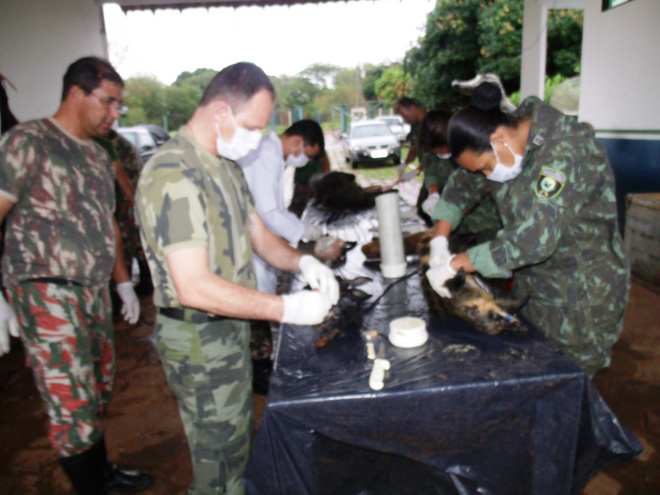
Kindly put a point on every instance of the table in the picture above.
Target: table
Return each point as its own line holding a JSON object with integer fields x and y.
{"x": 464, "y": 414}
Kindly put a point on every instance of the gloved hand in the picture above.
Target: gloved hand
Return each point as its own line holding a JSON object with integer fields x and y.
{"x": 320, "y": 277}
{"x": 312, "y": 232}
{"x": 439, "y": 275}
{"x": 8, "y": 325}
{"x": 429, "y": 203}
{"x": 130, "y": 309}
{"x": 400, "y": 169}
{"x": 409, "y": 175}
{"x": 306, "y": 307}
{"x": 439, "y": 251}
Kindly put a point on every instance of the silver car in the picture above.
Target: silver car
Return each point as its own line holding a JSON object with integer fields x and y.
{"x": 370, "y": 141}
{"x": 396, "y": 124}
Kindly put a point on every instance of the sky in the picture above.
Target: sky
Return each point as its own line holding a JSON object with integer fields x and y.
{"x": 282, "y": 40}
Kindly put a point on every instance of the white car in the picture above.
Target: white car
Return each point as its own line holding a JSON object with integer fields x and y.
{"x": 369, "y": 141}
{"x": 396, "y": 124}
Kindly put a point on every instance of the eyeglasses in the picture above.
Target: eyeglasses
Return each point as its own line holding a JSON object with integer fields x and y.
{"x": 108, "y": 102}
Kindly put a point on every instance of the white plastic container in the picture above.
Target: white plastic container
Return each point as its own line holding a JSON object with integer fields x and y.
{"x": 392, "y": 257}
{"x": 408, "y": 332}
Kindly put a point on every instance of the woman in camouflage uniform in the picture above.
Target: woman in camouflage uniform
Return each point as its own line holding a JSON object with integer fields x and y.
{"x": 554, "y": 189}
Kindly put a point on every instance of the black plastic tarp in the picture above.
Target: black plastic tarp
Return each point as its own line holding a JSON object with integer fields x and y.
{"x": 463, "y": 414}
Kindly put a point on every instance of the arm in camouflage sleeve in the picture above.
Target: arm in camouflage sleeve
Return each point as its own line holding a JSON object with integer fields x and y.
{"x": 463, "y": 190}
{"x": 541, "y": 222}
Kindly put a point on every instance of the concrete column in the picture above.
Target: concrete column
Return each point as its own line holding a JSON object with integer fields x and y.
{"x": 534, "y": 48}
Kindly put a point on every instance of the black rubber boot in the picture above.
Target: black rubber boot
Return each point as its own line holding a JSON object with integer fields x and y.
{"x": 86, "y": 471}
{"x": 121, "y": 480}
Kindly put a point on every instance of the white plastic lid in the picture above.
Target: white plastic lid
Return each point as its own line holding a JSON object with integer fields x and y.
{"x": 408, "y": 332}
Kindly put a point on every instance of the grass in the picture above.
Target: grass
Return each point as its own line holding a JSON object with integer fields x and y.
{"x": 382, "y": 173}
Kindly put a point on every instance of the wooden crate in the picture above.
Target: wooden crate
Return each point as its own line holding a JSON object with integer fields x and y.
{"x": 642, "y": 237}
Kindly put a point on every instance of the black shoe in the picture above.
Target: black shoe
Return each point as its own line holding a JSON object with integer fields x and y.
{"x": 125, "y": 481}
{"x": 261, "y": 369}
{"x": 122, "y": 480}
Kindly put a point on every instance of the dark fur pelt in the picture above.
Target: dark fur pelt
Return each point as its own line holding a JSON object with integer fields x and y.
{"x": 338, "y": 190}
{"x": 471, "y": 301}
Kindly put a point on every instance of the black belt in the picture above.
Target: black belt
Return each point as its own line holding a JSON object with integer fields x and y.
{"x": 189, "y": 315}
{"x": 55, "y": 280}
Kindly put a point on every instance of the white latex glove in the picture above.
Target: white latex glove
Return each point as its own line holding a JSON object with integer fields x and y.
{"x": 400, "y": 169}
{"x": 439, "y": 275}
{"x": 306, "y": 307}
{"x": 439, "y": 251}
{"x": 429, "y": 203}
{"x": 312, "y": 232}
{"x": 320, "y": 277}
{"x": 130, "y": 309}
{"x": 409, "y": 175}
{"x": 8, "y": 325}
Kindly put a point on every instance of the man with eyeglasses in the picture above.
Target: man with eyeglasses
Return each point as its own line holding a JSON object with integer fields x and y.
{"x": 61, "y": 250}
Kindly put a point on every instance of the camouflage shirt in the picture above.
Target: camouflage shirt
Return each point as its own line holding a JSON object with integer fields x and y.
{"x": 436, "y": 169}
{"x": 62, "y": 221}
{"x": 560, "y": 235}
{"x": 187, "y": 197}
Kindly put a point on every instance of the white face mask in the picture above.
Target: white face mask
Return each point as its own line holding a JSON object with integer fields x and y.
{"x": 297, "y": 161}
{"x": 503, "y": 173}
{"x": 241, "y": 143}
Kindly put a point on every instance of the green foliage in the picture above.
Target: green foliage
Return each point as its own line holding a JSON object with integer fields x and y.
{"x": 143, "y": 96}
{"x": 467, "y": 37}
{"x": 462, "y": 38}
{"x": 199, "y": 79}
{"x": 392, "y": 85}
{"x": 370, "y": 80}
{"x": 181, "y": 101}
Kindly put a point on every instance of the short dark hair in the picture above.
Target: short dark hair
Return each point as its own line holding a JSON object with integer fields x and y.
{"x": 407, "y": 102}
{"x": 87, "y": 73}
{"x": 236, "y": 84}
{"x": 433, "y": 132}
{"x": 309, "y": 130}
{"x": 471, "y": 127}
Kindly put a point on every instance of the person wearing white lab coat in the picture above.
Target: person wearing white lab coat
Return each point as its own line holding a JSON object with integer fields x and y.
{"x": 264, "y": 171}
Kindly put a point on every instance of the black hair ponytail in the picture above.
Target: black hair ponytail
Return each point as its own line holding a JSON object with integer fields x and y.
{"x": 471, "y": 127}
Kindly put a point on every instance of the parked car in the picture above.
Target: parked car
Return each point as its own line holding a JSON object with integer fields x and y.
{"x": 142, "y": 139}
{"x": 370, "y": 140}
{"x": 396, "y": 124}
{"x": 161, "y": 136}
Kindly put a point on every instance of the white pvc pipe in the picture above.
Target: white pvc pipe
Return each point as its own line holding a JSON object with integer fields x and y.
{"x": 393, "y": 259}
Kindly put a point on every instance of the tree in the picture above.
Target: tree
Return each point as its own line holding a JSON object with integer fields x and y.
{"x": 393, "y": 84}
{"x": 372, "y": 75}
{"x": 466, "y": 37}
{"x": 143, "y": 97}
{"x": 181, "y": 102}
{"x": 199, "y": 79}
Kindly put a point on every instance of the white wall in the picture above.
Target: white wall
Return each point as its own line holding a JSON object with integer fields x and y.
{"x": 38, "y": 41}
{"x": 620, "y": 79}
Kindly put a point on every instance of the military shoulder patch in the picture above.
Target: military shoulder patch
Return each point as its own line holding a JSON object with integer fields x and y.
{"x": 549, "y": 184}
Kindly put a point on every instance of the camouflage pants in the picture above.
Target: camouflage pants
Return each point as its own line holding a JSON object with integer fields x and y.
{"x": 68, "y": 335}
{"x": 208, "y": 369}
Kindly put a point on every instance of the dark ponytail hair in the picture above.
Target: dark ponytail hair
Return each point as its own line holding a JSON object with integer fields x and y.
{"x": 433, "y": 132}
{"x": 471, "y": 127}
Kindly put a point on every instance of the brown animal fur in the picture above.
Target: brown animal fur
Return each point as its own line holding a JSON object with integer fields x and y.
{"x": 469, "y": 301}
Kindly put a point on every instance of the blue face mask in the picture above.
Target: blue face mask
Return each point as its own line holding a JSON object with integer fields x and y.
{"x": 503, "y": 173}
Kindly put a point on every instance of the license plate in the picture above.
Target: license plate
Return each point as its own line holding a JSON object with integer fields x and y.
{"x": 379, "y": 154}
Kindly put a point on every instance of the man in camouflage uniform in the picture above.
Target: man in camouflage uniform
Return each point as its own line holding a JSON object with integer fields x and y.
{"x": 56, "y": 191}
{"x": 128, "y": 166}
{"x": 560, "y": 236}
{"x": 198, "y": 226}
